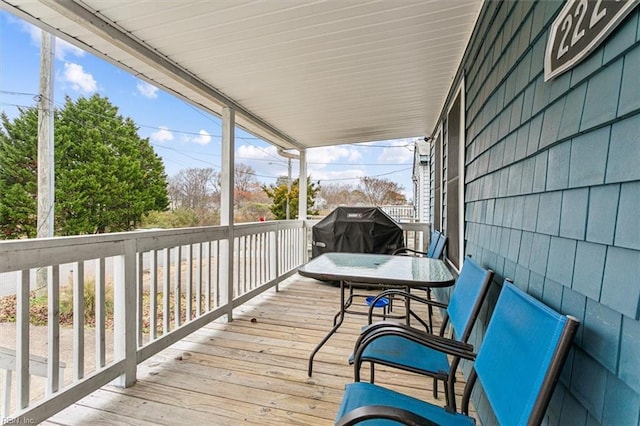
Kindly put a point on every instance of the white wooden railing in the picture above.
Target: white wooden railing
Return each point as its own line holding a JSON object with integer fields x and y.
{"x": 162, "y": 285}
{"x": 146, "y": 291}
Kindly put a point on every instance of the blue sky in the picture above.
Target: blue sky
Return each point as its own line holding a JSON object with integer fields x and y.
{"x": 181, "y": 134}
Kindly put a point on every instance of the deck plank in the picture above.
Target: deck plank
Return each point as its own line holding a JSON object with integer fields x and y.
{"x": 252, "y": 370}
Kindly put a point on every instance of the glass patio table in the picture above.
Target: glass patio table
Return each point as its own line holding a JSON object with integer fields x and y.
{"x": 376, "y": 270}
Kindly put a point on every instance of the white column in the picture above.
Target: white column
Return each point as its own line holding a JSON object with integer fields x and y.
{"x": 226, "y": 209}
{"x": 302, "y": 203}
{"x": 302, "y": 182}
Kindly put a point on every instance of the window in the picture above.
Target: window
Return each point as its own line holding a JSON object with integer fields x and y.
{"x": 454, "y": 185}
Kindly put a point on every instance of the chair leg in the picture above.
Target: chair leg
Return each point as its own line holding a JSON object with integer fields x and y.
{"x": 372, "y": 377}
{"x": 430, "y": 310}
{"x": 435, "y": 388}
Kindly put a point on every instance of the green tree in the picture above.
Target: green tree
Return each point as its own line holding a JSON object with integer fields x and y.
{"x": 18, "y": 171}
{"x": 278, "y": 193}
{"x": 106, "y": 176}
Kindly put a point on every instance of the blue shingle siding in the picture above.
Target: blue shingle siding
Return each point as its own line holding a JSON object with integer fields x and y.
{"x": 573, "y": 215}
{"x": 603, "y": 210}
{"x": 589, "y": 158}
{"x": 553, "y": 196}
{"x": 589, "y": 269}
{"x": 628, "y": 223}
{"x": 601, "y": 334}
{"x": 629, "y": 372}
{"x": 572, "y": 412}
{"x": 601, "y": 103}
{"x": 623, "y": 162}
{"x": 588, "y": 383}
{"x": 621, "y": 404}
{"x": 620, "y": 286}
{"x": 558, "y": 166}
{"x": 630, "y": 89}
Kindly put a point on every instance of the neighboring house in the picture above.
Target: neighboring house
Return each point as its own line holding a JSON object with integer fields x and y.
{"x": 422, "y": 180}
{"x": 540, "y": 181}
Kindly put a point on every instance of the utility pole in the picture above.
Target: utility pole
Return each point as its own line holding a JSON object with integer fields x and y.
{"x": 45, "y": 146}
{"x": 45, "y": 139}
{"x": 288, "y": 156}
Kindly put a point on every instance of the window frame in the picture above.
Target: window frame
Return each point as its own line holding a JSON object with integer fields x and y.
{"x": 459, "y": 93}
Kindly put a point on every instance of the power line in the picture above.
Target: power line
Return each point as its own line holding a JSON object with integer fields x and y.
{"x": 360, "y": 177}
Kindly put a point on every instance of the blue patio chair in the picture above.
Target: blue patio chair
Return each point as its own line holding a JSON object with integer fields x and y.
{"x": 431, "y": 250}
{"x": 405, "y": 349}
{"x": 437, "y": 243}
{"x": 518, "y": 364}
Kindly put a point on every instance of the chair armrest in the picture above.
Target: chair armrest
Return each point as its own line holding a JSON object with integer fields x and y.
{"x": 369, "y": 412}
{"x": 444, "y": 344}
{"x": 406, "y": 295}
{"x": 408, "y": 250}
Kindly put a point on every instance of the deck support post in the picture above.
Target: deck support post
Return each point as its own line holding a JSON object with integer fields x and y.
{"x": 302, "y": 202}
{"x": 226, "y": 210}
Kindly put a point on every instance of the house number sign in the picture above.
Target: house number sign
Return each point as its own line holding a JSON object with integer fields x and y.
{"x": 579, "y": 28}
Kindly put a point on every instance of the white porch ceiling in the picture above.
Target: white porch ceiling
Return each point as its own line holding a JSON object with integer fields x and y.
{"x": 299, "y": 73}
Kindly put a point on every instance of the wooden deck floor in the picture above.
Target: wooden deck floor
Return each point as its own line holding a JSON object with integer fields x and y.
{"x": 252, "y": 370}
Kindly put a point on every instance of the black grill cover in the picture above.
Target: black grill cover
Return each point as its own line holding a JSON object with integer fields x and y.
{"x": 356, "y": 230}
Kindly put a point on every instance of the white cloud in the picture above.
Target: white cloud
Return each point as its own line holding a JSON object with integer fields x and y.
{"x": 330, "y": 154}
{"x": 80, "y": 80}
{"x": 62, "y": 47}
{"x": 251, "y": 152}
{"x": 403, "y": 154}
{"x": 203, "y": 139}
{"x": 147, "y": 90}
{"x": 162, "y": 135}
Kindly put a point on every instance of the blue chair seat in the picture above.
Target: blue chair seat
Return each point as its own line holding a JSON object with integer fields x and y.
{"x": 396, "y": 350}
{"x": 362, "y": 394}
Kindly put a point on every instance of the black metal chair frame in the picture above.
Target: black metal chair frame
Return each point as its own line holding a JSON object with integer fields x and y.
{"x": 419, "y": 336}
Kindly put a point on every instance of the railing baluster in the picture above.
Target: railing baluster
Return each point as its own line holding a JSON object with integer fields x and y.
{"x": 22, "y": 337}
{"x": 188, "y": 283}
{"x": 242, "y": 288}
{"x": 199, "y": 281}
{"x": 207, "y": 276}
{"x": 78, "y": 321}
{"x": 177, "y": 287}
{"x": 100, "y": 306}
{"x": 53, "y": 326}
{"x": 166, "y": 292}
{"x": 140, "y": 307}
{"x": 219, "y": 266}
{"x": 153, "y": 294}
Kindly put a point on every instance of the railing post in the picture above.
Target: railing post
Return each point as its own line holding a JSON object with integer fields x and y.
{"x": 22, "y": 340}
{"x": 274, "y": 257}
{"x": 125, "y": 324}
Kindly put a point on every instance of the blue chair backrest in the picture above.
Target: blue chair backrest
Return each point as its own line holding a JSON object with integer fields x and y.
{"x": 439, "y": 249}
{"x": 525, "y": 343}
{"x": 435, "y": 236}
{"x": 468, "y": 293}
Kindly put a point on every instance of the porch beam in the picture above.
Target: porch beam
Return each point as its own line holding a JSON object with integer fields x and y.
{"x": 93, "y": 21}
